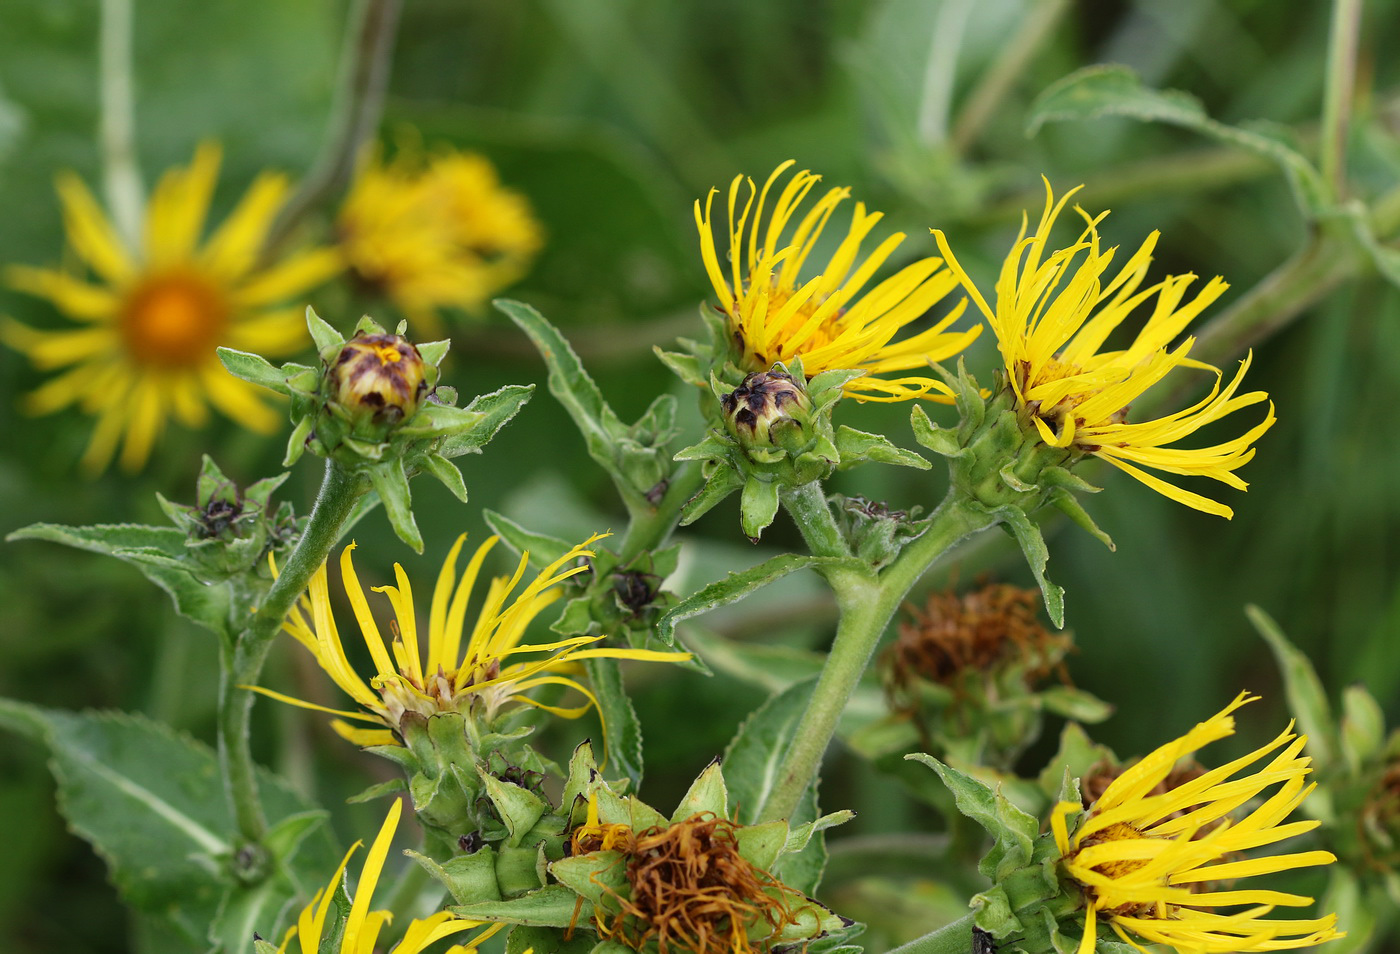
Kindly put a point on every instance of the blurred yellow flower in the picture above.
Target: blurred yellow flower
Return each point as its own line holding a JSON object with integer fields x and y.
{"x": 155, "y": 311}
{"x": 1054, "y": 312}
{"x": 830, "y": 319}
{"x": 440, "y": 234}
{"x": 362, "y": 927}
{"x": 1149, "y": 863}
{"x": 481, "y": 679}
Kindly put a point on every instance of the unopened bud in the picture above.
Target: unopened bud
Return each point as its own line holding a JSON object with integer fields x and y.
{"x": 764, "y": 402}
{"x": 378, "y": 378}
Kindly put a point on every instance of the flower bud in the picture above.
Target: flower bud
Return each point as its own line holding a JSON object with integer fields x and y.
{"x": 378, "y": 378}
{"x": 765, "y": 406}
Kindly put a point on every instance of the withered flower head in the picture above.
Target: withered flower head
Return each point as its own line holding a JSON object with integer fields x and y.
{"x": 690, "y": 888}
{"x": 953, "y": 635}
{"x": 378, "y": 378}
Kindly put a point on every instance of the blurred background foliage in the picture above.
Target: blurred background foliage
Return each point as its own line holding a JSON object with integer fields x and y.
{"x": 612, "y": 116}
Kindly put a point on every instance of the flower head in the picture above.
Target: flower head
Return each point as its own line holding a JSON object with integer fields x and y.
{"x": 362, "y": 926}
{"x": 1054, "y": 312}
{"x": 1139, "y": 851}
{"x": 771, "y": 315}
{"x": 482, "y": 678}
{"x": 379, "y": 377}
{"x": 155, "y": 309}
{"x": 437, "y": 234}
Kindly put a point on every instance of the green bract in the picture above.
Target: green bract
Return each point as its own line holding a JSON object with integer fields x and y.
{"x": 361, "y": 425}
{"x": 777, "y": 433}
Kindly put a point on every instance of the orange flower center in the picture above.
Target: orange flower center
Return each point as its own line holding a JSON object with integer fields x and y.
{"x": 761, "y": 359}
{"x": 174, "y": 320}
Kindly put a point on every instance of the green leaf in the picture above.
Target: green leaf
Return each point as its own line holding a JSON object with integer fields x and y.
{"x": 551, "y": 906}
{"x": 1307, "y": 700}
{"x": 734, "y": 587}
{"x": 151, "y": 804}
{"x": 1013, "y": 830}
{"x": 496, "y": 410}
{"x": 327, "y": 339}
{"x": 1075, "y": 704}
{"x": 391, "y": 483}
{"x": 255, "y": 369}
{"x": 622, "y": 730}
{"x": 1111, "y": 90}
{"x": 1363, "y": 727}
{"x": 754, "y": 755}
{"x": 708, "y": 793}
{"x": 156, "y": 552}
{"x": 572, "y": 386}
{"x": 543, "y": 549}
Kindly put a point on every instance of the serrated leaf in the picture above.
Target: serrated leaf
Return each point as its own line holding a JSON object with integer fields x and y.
{"x": 734, "y": 587}
{"x": 1112, "y": 90}
{"x": 151, "y": 804}
{"x": 496, "y": 410}
{"x": 1307, "y": 700}
{"x": 1028, "y": 535}
{"x": 1013, "y": 830}
{"x": 754, "y": 755}
{"x": 156, "y": 552}
{"x": 571, "y": 385}
{"x": 391, "y": 483}
{"x": 255, "y": 369}
{"x": 622, "y": 730}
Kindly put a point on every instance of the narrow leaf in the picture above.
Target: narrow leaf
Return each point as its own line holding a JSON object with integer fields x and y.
{"x": 754, "y": 755}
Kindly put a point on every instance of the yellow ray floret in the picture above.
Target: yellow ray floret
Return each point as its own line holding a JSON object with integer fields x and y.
{"x": 1151, "y": 863}
{"x": 480, "y": 671}
{"x": 1055, "y": 310}
{"x": 830, "y": 319}
{"x": 362, "y": 927}
{"x": 153, "y": 310}
{"x": 436, "y": 233}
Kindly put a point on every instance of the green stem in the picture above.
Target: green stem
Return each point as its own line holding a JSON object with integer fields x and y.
{"x": 866, "y": 604}
{"x": 810, "y": 511}
{"x": 364, "y": 75}
{"x": 954, "y": 938}
{"x": 243, "y": 661}
{"x": 997, "y": 81}
{"x": 649, "y": 525}
{"x": 121, "y": 174}
{"x": 1337, "y": 97}
{"x": 940, "y": 72}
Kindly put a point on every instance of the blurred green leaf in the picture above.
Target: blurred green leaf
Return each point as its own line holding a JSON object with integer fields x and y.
{"x": 752, "y": 759}
{"x": 1307, "y": 700}
{"x": 1111, "y": 90}
{"x": 151, "y": 804}
{"x": 622, "y": 732}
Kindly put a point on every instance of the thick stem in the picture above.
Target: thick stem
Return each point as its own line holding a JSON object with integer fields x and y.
{"x": 364, "y": 74}
{"x": 866, "y": 603}
{"x": 1337, "y": 97}
{"x": 243, "y": 661}
{"x": 808, "y": 507}
{"x": 649, "y": 526}
{"x": 954, "y": 938}
{"x": 121, "y": 174}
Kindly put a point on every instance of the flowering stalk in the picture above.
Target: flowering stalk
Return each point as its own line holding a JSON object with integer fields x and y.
{"x": 242, "y": 659}
{"x": 866, "y": 602}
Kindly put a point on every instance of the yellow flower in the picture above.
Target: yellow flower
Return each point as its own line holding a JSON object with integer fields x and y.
{"x": 1053, "y": 314}
{"x": 826, "y": 319}
{"x": 481, "y": 678}
{"x": 362, "y": 927}
{"x": 435, "y": 235}
{"x": 1138, "y": 855}
{"x": 155, "y": 311}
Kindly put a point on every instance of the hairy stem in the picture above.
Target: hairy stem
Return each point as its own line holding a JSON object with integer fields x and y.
{"x": 364, "y": 74}
{"x": 649, "y": 525}
{"x": 243, "y": 660}
{"x": 866, "y": 603}
{"x": 808, "y": 507}
{"x": 120, "y": 172}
